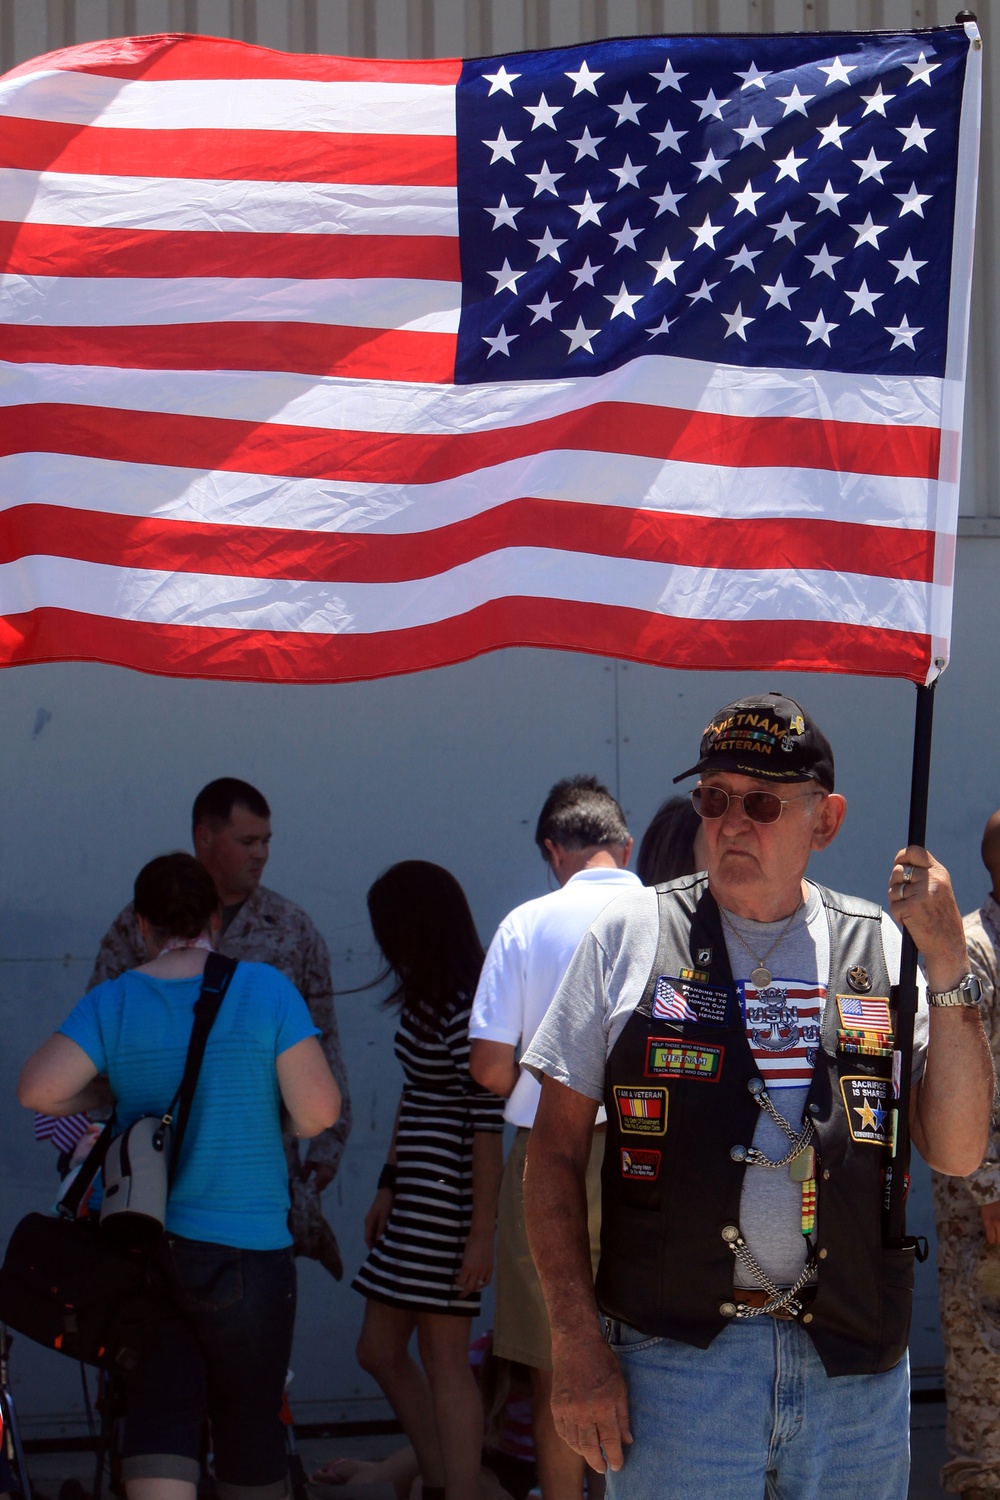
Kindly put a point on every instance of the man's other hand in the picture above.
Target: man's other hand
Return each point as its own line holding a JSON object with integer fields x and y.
{"x": 590, "y": 1402}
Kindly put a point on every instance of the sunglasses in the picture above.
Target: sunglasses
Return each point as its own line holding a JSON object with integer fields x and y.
{"x": 760, "y": 807}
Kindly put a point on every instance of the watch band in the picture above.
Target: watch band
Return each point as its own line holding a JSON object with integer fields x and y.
{"x": 967, "y": 994}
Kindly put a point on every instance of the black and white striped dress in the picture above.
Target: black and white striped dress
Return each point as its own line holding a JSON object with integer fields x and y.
{"x": 415, "y": 1263}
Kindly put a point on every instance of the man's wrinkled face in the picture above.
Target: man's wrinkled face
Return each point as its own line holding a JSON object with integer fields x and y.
{"x": 234, "y": 853}
{"x": 745, "y": 857}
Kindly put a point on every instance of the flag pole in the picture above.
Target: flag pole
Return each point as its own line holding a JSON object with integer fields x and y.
{"x": 905, "y": 995}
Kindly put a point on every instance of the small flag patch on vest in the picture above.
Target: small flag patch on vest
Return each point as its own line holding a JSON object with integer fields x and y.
{"x": 641, "y": 1111}
{"x": 669, "y": 1058}
{"x": 684, "y": 1000}
{"x": 640, "y": 1166}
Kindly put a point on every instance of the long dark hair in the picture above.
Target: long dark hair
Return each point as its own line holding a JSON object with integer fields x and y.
{"x": 422, "y": 923}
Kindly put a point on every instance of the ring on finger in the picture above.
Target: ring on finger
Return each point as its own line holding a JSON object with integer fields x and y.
{"x": 907, "y": 874}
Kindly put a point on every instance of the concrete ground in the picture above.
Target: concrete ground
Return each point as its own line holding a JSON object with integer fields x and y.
{"x": 49, "y": 1471}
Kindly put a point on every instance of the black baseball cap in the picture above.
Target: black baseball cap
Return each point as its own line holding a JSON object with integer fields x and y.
{"x": 768, "y": 736}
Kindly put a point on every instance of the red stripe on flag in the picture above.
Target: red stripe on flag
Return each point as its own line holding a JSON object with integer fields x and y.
{"x": 603, "y": 530}
{"x": 407, "y": 458}
{"x": 627, "y": 634}
{"x": 57, "y": 250}
{"x": 300, "y": 348}
{"x": 240, "y": 155}
{"x": 172, "y": 56}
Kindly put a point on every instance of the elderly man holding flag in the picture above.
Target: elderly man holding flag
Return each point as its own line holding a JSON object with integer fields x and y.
{"x": 756, "y": 1314}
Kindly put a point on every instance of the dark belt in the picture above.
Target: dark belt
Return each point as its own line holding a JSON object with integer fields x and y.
{"x": 752, "y": 1297}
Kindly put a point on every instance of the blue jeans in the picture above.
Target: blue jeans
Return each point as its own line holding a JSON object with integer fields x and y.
{"x": 223, "y": 1350}
{"x": 756, "y": 1414}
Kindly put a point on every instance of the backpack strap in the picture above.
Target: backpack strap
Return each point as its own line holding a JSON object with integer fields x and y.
{"x": 219, "y": 970}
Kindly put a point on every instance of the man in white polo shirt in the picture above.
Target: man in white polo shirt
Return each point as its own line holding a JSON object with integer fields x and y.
{"x": 583, "y": 839}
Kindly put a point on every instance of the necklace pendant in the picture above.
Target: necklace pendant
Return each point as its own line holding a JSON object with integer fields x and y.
{"x": 761, "y": 977}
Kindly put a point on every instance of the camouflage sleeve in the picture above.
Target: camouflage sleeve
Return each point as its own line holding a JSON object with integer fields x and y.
{"x": 984, "y": 1183}
{"x": 121, "y": 949}
{"x": 317, "y": 991}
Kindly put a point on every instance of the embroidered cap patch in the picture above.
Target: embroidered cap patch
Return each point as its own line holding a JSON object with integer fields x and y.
{"x": 640, "y": 1166}
{"x": 641, "y": 1111}
{"x": 669, "y": 1058}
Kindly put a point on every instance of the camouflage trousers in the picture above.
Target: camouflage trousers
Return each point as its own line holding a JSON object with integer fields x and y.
{"x": 969, "y": 1287}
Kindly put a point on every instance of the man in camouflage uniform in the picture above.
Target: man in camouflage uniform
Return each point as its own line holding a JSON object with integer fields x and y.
{"x": 968, "y": 1228}
{"x": 231, "y": 830}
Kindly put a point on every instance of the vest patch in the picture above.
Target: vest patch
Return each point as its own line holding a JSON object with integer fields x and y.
{"x": 641, "y": 1111}
{"x": 866, "y": 1101}
{"x": 701, "y": 975}
{"x": 682, "y": 1000}
{"x": 783, "y": 1022}
{"x": 640, "y": 1166}
{"x": 669, "y": 1058}
{"x": 868, "y": 1014}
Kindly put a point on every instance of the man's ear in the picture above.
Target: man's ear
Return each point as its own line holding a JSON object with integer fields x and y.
{"x": 201, "y": 838}
{"x": 832, "y": 811}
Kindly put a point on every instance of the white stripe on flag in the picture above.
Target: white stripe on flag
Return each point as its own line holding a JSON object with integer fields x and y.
{"x": 232, "y": 104}
{"x": 158, "y": 301}
{"x": 325, "y": 505}
{"x": 222, "y": 206}
{"x": 225, "y": 601}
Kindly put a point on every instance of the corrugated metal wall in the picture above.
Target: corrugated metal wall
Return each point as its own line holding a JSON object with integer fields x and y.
{"x": 467, "y": 28}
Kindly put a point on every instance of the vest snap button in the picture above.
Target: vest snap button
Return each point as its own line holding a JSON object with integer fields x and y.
{"x": 823, "y": 1254}
{"x": 738, "y": 1153}
{"x": 756, "y": 1086}
{"x": 826, "y": 1174}
{"x": 814, "y": 1109}
{"x": 727, "y": 1309}
{"x": 730, "y": 1233}
{"x": 807, "y": 1317}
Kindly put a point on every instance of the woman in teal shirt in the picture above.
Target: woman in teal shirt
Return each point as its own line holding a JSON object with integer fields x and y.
{"x": 224, "y": 1263}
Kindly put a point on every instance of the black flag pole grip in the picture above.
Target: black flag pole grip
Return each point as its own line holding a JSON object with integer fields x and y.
{"x": 905, "y": 993}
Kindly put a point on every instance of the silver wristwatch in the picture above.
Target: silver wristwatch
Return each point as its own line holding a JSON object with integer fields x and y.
{"x": 968, "y": 993}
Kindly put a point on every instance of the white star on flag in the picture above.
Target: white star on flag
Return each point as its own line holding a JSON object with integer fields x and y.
{"x": 738, "y": 323}
{"x": 868, "y": 232}
{"x": 823, "y": 263}
{"x": 501, "y": 342}
{"x": 788, "y": 166}
{"x": 627, "y": 174}
{"x": 920, "y": 72}
{"x": 743, "y": 258}
{"x": 753, "y": 77}
{"x": 501, "y": 80}
{"x": 543, "y": 113}
{"x": 665, "y": 268}
{"x": 752, "y": 133}
{"x": 871, "y": 167}
{"x": 710, "y": 106}
{"x": 795, "y": 102}
{"x": 545, "y": 181}
{"x": 710, "y": 166}
{"x": 837, "y": 72}
{"x": 502, "y": 148}
{"x": 915, "y": 134}
{"x": 584, "y": 81}
{"x": 829, "y": 135}
{"x": 704, "y": 233}
{"x": 819, "y": 328}
{"x": 504, "y": 214}
{"x": 580, "y": 337}
{"x": 704, "y": 292}
{"x": 626, "y": 110}
{"x": 904, "y": 334}
{"x": 907, "y": 268}
{"x": 544, "y": 309}
{"x": 667, "y": 201}
{"x": 587, "y": 144}
{"x": 779, "y": 294}
{"x": 669, "y": 78}
{"x": 506, "y": 278}
{"x": 863, "y": 299}
{"x": 786, "y": 227}
{"x": 625, "y": 237}
{"x": 669, "y": 138}
{"x": 746, "y": 201}
{"x": 912, "y": 201}
{"x": 623, "y": 302}
{"x": 876, "y": 103}
{"x": 588, "y": 212}
{"x": 585, "y": 274}
{"x": 828, "y": 200}
{"x": 547, "y": 245}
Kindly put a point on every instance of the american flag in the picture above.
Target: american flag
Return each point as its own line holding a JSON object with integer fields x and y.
{"x": 671, "y": 1003}
{"x": 63, "y": 1131}
{"x": 321, "y": 369}
{"x": 868, "y": 1015}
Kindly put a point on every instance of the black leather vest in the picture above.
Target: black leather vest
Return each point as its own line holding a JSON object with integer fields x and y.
{"x": 670, "y": 1185}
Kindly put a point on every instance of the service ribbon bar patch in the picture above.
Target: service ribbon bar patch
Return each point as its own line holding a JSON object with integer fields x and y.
{"x": 641, "y": 1111}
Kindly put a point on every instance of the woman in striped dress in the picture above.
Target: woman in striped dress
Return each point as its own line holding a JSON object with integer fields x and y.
{"x": 430, "y": 1229}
